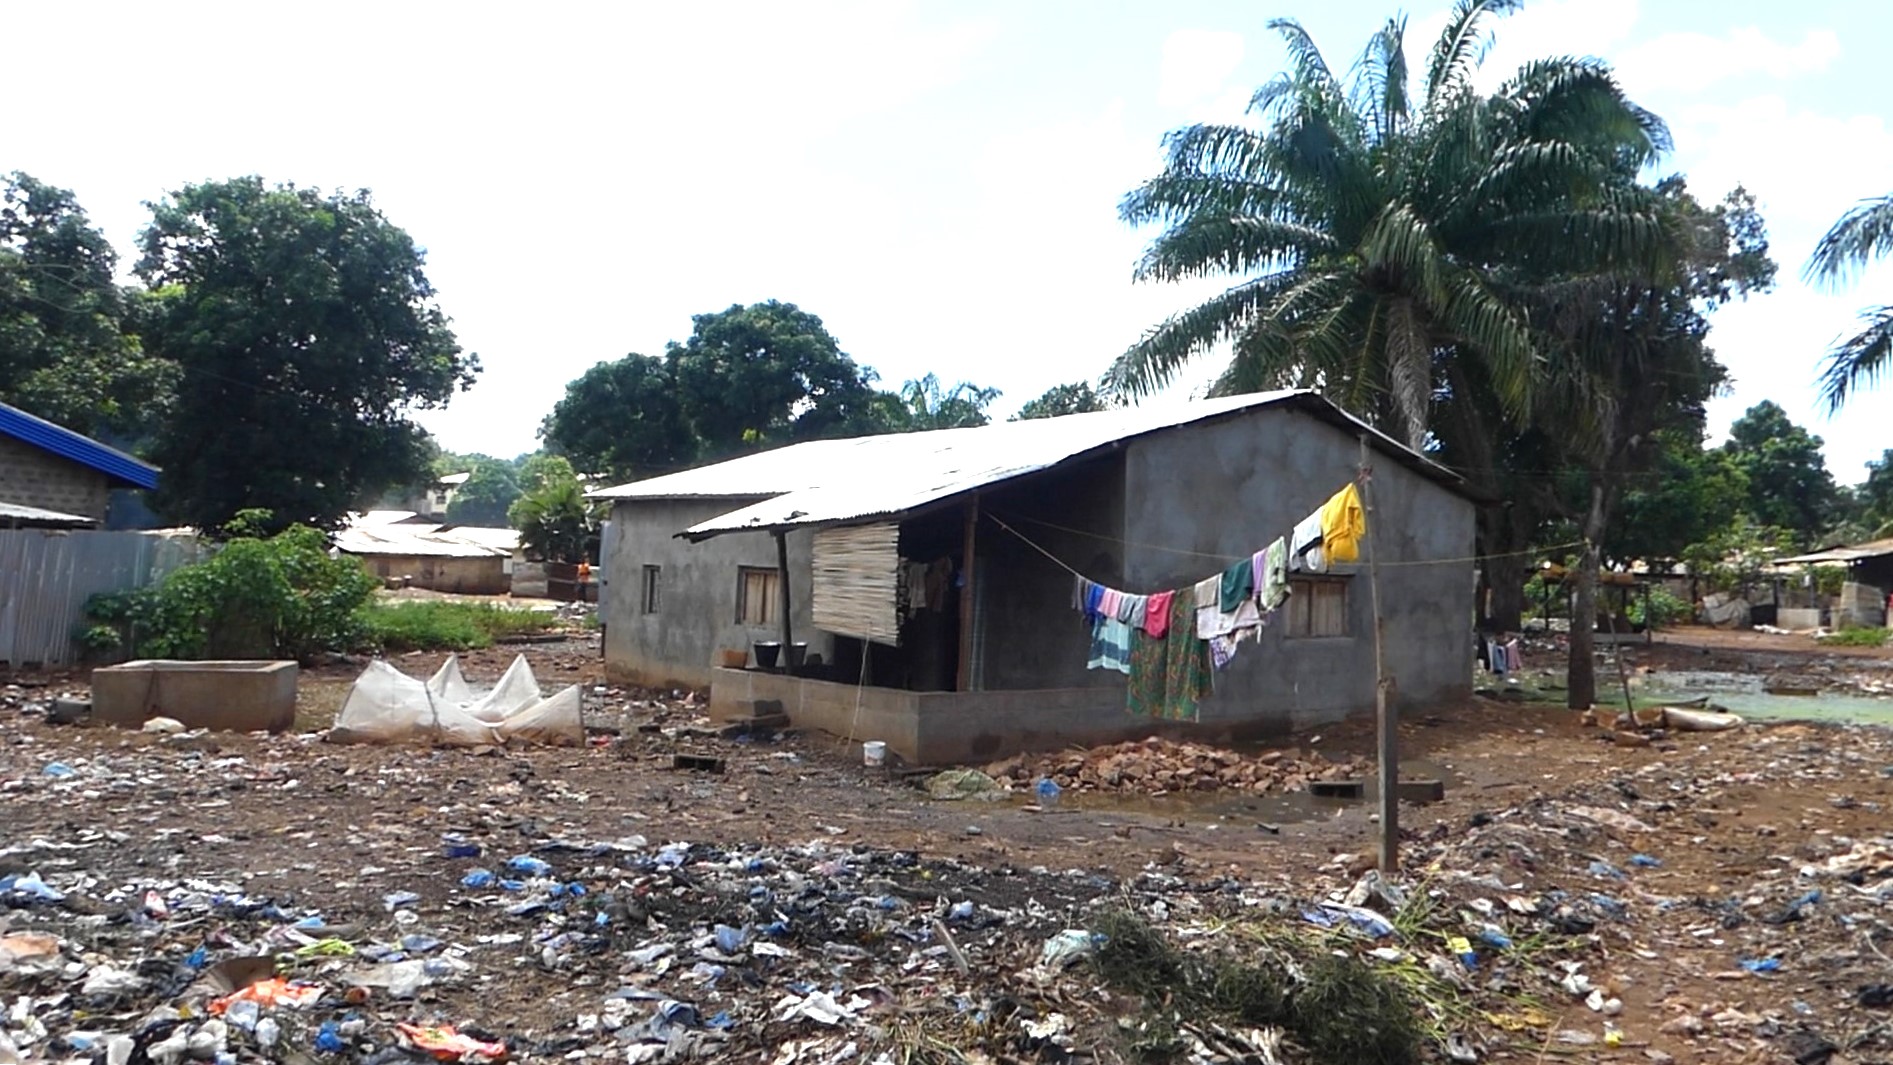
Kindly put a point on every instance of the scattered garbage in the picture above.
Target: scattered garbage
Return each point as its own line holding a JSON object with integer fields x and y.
{"x": 1158, "y": 766}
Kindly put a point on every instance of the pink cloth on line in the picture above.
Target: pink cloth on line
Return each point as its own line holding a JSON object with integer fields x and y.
{"x": 1157, "y": 616}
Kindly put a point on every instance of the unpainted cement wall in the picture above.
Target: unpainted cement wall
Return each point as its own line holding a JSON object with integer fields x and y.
{"x": 696, "y": 616}
{"x": 1228, "y": 487}
{"x": 37, "y": 478}
{"x": 1031, "y": 637}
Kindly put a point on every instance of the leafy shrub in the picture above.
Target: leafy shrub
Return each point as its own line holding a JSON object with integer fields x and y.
{"x": 445, "y": 625}
{"x": 1857, "y": 637}
{"x": 280, "y": 597}
{"x": 1665, "y": 609}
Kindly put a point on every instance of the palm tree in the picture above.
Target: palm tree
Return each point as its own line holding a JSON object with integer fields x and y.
{"x": 1861, "y": 235}
{"x": 1375, "y": 232}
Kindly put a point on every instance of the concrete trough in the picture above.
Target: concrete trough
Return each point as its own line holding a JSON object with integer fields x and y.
{"x": 237, "y": 696}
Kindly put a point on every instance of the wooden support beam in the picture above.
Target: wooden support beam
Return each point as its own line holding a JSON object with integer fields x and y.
{"x": 782, "y": 582}
{"x": 1386, "y": 713}
{"x": 967, "y": 591}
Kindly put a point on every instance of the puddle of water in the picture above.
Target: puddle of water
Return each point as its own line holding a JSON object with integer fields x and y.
{"x": 1743, "y": 694}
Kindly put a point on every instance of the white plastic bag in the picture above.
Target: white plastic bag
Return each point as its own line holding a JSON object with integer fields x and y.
{"x": 517, "y": 690}
{"x": 554, "y": 722}
{"x": 388, "y": 706}
{"x": 449, "y": 685}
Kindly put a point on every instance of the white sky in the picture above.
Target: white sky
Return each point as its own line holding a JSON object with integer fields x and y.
{"x": 938, "y": 181}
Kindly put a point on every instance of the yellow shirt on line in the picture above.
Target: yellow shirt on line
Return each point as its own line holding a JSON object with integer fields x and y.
{"x": 1343, "y": 523}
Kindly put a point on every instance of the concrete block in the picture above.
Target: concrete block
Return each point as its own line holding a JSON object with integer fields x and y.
{"x": 1337, "y": 789}
{"x": 1422, "y": 791}
{"x": 1796, "y": 619}
{"x": 242, "y": 696}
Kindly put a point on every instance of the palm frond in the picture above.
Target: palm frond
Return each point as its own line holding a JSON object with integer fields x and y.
{"x": 1303, "y": 56}
{"x": 1474, "y": 314}
{"x": 1380, "y": 81}
{"x": 1861, "y": 235}
{"x": 1861, "y": 360}
{"x": 1210, "y": 244}
{"x": 1179, "y": 194}
{"x": 1461, "y": 46}
{"x": 1157, "y": 357}
{"x": 1400, "y": 248}
{"x": 1579, "y": 100}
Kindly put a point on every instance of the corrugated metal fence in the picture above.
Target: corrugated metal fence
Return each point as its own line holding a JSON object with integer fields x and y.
{"x": 46, "y": 578}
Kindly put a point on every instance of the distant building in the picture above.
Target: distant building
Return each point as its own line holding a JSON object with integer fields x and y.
{"x": 432, "y": 501}
{"x": 51, "y": 476}
{"x": 402, "y": 551}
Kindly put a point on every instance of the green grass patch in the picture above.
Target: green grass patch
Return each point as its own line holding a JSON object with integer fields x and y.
{"x": 446, "y": 625}
{"x": 1861, "y": 637}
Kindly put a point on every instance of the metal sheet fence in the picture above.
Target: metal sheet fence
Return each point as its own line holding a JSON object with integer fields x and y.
{"x": 47, "y": 576}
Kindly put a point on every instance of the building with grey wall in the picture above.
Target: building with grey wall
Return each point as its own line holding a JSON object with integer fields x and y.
{"x": 49, "y": 468}
{"x": 1140, "y": 499}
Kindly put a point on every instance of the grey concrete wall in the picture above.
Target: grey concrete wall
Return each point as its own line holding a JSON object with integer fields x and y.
{"x": 696, "y": 619}
{"x": 37, "y": 478}
{"x": 239, "y": 696}
{"x": 465, "y": 576}
{"x": 1229, "y": 487}
{"x": 1031, "y": 637}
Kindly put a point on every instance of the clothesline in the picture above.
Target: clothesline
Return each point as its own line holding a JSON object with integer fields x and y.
{"x": 1234, "y": 558}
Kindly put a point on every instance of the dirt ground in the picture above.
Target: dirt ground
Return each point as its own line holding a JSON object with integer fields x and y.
{"x": 1696, "y": 843}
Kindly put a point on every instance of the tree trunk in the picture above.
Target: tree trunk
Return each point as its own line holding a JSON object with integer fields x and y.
{"x": 1506, "y": 578}
{"x": 1582, "y": 670}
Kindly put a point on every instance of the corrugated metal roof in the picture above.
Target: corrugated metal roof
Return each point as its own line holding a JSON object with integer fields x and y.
{"x": 83, "y": 450}
{"x": 1849, "y": 553}
{"x": 835, "y": 481}
{"x": 15, "y": 513}
{"x": 420, "y": 541}
{"x": 374, "y": 518}
{"x": 499, "y": 539}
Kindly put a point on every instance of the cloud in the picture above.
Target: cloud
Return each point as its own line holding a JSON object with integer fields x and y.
{"x": 1196, "y": 63}
{"x": 1694, "y": 61}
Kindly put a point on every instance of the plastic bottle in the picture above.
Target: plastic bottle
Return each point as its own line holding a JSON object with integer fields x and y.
{"x": 242, "y": 1013}
{"x": 1047, "y": 790}
{"x": 267, "y": 1032}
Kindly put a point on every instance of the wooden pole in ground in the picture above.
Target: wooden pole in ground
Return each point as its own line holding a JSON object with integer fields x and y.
{"x": 965, "y": 680}
{"x": 1386, "y": 715}
{"x": 782, "y": 582}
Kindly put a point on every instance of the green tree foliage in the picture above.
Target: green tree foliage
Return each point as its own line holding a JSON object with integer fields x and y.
{"x": 539, "y": 469}
{"x": 748, "y": 377}
{"x": 764, "y": 373}
{"x": 67, "y": 352}
{"x": 1789, "y": 486}
{"x": 1874, "y": 498}
{"x": 929, "y": 406}
{"x": 1079, "y": 398}
{"x": 622, "y": 420}
{"x": 491, "y": 488}
{"x": 1684, "y": 496}
{"x": 554, "y": 522}
{"x": 1732, "y": 558}
{"x": 1862, "y": 235}
{"x": 1371, "y": 221}
{"x": 280, "y": 596}
{"x": 306, "y": 331}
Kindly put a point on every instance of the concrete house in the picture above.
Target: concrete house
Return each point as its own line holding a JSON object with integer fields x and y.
{"x": 51, "y": 476}
{"x": 463, "y": 559}
{"x": 931, "y": 574}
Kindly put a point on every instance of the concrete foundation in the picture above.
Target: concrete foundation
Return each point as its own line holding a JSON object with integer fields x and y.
{"x": 1797, "y": 620}
{"x": 944, "y": 728}
{"x": 224, "y": 696}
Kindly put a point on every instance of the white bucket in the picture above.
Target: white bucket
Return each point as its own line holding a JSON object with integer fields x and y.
{"x": 873, "y": 752}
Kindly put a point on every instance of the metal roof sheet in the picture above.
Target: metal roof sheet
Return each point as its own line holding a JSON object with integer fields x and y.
{"x": 74, "y": 447}
{"x": 11, "y": 513}
{"x": 1848, "y": 553}
{"x": 836, "y": 481}
{"x": 421, "y": 541}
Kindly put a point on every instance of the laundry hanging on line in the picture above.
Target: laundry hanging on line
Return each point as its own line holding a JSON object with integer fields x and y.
{"x": 1171, "y": 643}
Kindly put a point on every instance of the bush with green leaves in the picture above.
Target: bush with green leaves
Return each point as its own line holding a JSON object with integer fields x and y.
{"x": 1665, "y": 609}
{"x": 446, "y": 625}
{"x": 277, "y": 597}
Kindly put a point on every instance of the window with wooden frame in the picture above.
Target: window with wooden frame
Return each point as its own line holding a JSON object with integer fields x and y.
{"x": 1317, "y": 606}
{"x": 758, "y": 596}
{"x": 653, "y": 588}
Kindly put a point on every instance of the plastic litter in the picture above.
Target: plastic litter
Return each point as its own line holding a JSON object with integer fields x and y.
{"x": 1067, "y": 948}
{"x": 58, "y": 769}
{"x": 273, "y": 992}
{"x": 1047, "y": 791}
{"x": 447, "y": 1044}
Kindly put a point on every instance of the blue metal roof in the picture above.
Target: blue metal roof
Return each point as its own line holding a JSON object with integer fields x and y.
{"x": 83, "y": 450}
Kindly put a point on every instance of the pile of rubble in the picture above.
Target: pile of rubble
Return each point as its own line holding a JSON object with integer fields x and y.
{"x": 1159, "y": 766}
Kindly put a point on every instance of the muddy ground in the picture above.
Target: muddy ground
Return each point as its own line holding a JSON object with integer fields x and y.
{"x": 1704, "y": 841}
